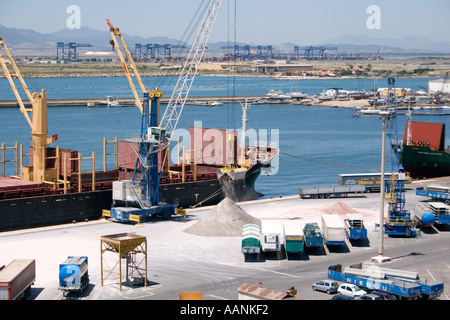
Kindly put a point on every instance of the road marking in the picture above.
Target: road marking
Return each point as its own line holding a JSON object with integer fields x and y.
{"x": 217, "y": 297}
{"x": 281, "y": 273}
{"x": 431, "y": 275}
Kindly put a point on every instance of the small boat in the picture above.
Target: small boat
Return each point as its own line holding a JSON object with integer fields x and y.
{"x": 214, "y": 103}
{"x": 112, "y": 102}
{"x": 298, "y": 95}
{"x": 277, "y": 95}
{"x": 377, "y": 101}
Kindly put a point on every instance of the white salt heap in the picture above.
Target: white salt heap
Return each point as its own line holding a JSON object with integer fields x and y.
{"x": 224, "y": 220}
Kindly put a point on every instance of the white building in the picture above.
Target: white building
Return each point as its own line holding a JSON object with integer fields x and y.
{"x": 439, "y": 86}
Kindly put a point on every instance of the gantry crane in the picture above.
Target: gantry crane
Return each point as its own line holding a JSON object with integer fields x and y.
{"x": 72, "y": 50}
{"x": 155, "y": 137}
{"x": 38, "y": 172}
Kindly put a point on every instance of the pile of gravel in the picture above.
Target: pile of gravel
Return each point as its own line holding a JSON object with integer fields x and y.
{"x": 224, "y": 220}
{"x": 340, "y": 209}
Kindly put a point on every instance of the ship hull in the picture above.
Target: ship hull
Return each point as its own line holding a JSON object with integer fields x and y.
{"x": 39, "y": 211}
{"x": 32, "y": 212}
{"x": 424, "y": 162}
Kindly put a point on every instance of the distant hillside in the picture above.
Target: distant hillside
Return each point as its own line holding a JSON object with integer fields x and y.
{"x": 411, "y": 43}
{"x": 30, "y": 39}
{"x": 25, "y": 39}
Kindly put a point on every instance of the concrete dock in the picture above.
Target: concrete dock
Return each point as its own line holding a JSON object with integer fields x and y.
{"x": 101, "y": 102}
{"x": 184, "y": 262}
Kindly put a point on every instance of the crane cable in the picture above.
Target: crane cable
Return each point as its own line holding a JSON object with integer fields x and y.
{"x": 216, "y": 193}
{"x": 326, "y": 163}
{"x": 187, "y": 36}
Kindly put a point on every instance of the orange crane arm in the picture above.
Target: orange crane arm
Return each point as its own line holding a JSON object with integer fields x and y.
{"x": 16, "y": 75}
{"x": 131, "y": 66}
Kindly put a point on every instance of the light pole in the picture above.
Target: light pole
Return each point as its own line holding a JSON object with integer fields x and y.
{"x": 381, "y": 258}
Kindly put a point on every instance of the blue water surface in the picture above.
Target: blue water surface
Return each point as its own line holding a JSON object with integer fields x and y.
{"x": 317, "y": 143}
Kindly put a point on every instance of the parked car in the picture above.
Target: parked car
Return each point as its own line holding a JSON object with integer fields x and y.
{"x": 341, "y": 297}
{"x": 327, "y": 286}
{"x": 384, "y": 295}
{"x": 351, "y": 290}
{"x": 370, "y": 296}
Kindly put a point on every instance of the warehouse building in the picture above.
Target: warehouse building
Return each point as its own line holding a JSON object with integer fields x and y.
{"x": 439, "y": 86}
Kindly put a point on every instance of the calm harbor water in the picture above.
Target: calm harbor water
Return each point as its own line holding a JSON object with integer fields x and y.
{"x": 317, "y": 143}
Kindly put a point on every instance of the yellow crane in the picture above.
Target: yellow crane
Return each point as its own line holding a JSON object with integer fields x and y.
{"x": 38, "y": 123}
{"x": 131, "y": 66}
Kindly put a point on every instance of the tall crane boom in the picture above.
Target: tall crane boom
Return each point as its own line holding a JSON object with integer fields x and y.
{"x": 37, "y": 123}
{"x": 127, "y": 68}
{"x": 180, "y": 93}
{"x": 155, "y": 136}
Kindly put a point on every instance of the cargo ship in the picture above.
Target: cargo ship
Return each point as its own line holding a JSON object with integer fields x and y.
{"x": 76, "y": 196}
{"x": 53, "y": 190}
{"x": 423, "y": 153}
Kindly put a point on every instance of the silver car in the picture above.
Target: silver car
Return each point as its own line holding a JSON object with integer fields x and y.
{"x": 327, "y": 286}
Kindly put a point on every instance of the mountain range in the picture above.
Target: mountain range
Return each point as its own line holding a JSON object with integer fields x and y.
{"x": 30, "y": 40}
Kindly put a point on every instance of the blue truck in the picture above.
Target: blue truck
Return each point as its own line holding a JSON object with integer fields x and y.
{"x": 403, "y": 284}
{"x": 73, "y": 275}
{"x": 313, "y": 235}
{"x": 354, "y": 227}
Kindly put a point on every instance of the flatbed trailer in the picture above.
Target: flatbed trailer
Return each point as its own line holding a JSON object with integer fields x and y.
{"x": 403, "y": 284}
{"x": 435, "y": 193}
{"x": 330, "y": 191}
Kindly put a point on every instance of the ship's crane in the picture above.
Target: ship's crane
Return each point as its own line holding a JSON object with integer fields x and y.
{"x": 156, "y": 137}
{"x": 38, "y": 172}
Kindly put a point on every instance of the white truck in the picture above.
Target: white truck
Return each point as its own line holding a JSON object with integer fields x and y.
{"x": 271, "y": 235}
{"x": 333, "y": 230}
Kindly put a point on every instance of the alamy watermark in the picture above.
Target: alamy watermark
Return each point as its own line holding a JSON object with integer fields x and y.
{"x": 374, "y": 20}
{"x": 74, "y": 20}
{"x": 223, "y": 147}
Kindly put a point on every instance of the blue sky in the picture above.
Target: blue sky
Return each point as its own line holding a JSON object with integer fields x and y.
{"x": 258, "y": 21}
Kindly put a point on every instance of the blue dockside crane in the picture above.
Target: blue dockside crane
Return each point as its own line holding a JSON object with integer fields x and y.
{"x": 139, "y": 198}
{"x": 398, "y": 222}
{"x": 68, "y": 51}
{"x": 151, "y": 51}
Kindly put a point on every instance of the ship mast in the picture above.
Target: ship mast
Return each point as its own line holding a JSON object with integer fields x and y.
{"x": 409, "y": 131}
{"x": 245, "y": 108}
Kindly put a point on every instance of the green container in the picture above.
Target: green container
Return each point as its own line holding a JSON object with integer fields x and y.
{"x": 294, "y": 244}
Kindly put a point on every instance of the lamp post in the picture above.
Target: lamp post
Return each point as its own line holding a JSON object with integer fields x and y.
{"x": 381, "y": 258}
